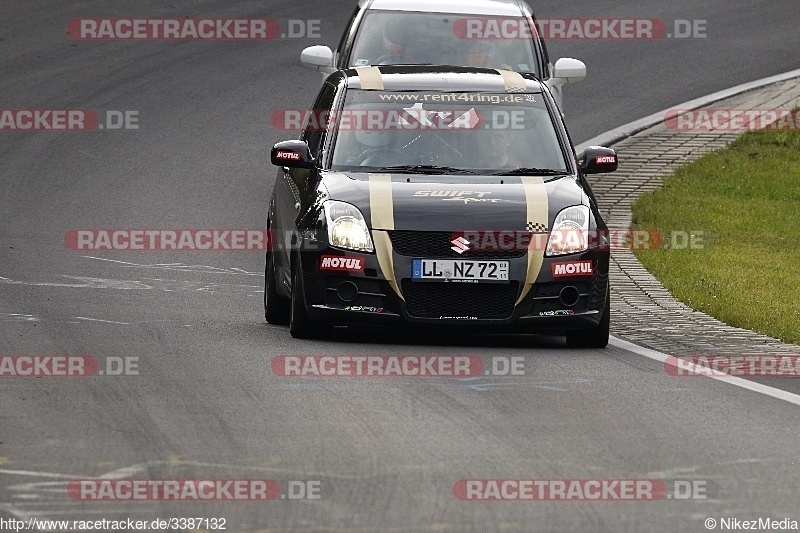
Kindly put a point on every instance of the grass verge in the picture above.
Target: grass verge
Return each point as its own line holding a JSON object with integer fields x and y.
{"x": 746, "y": 201}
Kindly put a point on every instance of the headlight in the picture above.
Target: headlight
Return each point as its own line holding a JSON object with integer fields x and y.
{"x": 346, "y": 227}
{"x": 570, "y": 231}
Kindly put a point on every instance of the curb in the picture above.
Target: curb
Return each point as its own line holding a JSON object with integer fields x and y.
{"x": 615, "y": 135}
{"x": 645, "y": 311}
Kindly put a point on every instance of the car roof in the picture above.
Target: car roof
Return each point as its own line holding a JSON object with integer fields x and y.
{"x": 511, "y": 8}
{"x": 437, "y": 78}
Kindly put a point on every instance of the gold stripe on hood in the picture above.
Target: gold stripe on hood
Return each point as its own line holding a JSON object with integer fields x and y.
{"x": 537, "y": 209}
{"x": 381, "y": 208}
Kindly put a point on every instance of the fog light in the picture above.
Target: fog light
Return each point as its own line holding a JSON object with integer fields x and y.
{"x": 347, "y": 291}
{"x": 569, "y": 296}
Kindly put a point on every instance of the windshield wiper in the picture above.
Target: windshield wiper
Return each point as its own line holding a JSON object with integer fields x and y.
{"x": 532, "y": 171}
{"x": 426, "y": 169}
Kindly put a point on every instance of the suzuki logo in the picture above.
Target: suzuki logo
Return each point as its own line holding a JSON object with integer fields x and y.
{"x": 460, "y": 245}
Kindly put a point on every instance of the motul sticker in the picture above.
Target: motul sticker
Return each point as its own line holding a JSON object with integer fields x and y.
{"x": 348, "y": 264}
{"x": 605, "y": 160}
{"x": 572, "y": 268}
{"x": 287, "y": 155}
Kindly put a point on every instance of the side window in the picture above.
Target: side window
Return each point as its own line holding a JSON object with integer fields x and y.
{"x": 340, "y": 50}
{"x": 314, "y": 132}
{"x": 545, "y": 59}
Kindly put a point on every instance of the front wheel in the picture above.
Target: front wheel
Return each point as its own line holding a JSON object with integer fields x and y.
{"x": 597, "y": 337}
{"x": 300, "y": 325}
{"x": 276, "y": 308}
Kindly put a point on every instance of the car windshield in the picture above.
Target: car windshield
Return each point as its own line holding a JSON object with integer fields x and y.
{"x": 392, "y": 37}
{"x": 436, "y": 132}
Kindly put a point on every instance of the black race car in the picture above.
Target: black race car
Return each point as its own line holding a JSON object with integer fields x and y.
{"x": 437, "y": 196}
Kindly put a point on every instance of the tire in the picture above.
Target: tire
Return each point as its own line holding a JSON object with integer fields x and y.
{"x": 300, "y": 325}
{"x": 276, "y": 308}
{"x": 596, "y": 337}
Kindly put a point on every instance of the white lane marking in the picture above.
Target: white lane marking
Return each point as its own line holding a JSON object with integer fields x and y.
{"x": 152, "y": 284}
{"x": 732, "y": 380}
{"x": 30, "y": 473}
{"x": 56, "y": 487}
{"x": 180, "y": 267}
{"x": 89, "y": 283}
{"x": 20, "y": 317}
{"x": 44, "y": 514}
{"x": 59, "y": 486}
{"x": 127, "y": 471}
{"x": 104, "y": 321}
{"x": 26, "y": 515}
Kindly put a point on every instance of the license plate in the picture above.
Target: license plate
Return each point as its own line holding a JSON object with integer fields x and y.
{"x": 459, "y": 270}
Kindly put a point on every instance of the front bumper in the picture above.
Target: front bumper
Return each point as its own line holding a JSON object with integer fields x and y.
{"x": 365, "y": 297}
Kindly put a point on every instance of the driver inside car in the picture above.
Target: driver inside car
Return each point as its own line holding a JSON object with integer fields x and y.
{"x": 371, "y": 149}
{"x": 397, "y": 39}
{"x": 480, "y": 53}
{"x": 501, "y": 143}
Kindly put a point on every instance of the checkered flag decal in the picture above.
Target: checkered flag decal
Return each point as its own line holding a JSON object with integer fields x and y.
{"x": 536, "y": 227}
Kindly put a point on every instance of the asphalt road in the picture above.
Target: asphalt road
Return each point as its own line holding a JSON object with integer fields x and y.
{"x": 205, "y": 404}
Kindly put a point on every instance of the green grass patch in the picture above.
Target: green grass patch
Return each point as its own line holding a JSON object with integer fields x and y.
{"x": 746, "y": 201}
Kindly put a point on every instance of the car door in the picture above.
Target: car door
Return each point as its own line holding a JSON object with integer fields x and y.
{"x": 294, "y": 190}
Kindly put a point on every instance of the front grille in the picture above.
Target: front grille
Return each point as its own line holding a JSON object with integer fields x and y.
{"x": 437, "y": 244}
{"x": 480, "y": 300}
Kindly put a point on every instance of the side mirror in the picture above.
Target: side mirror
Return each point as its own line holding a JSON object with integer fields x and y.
{"x": 568, "y": 70}
{"x": 318, "y": 58}
{"x": 597, "y": 160}
{"x": 292, "y": 154}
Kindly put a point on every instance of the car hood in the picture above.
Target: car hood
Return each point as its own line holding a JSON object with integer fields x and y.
{"x": 415, "y": 202}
